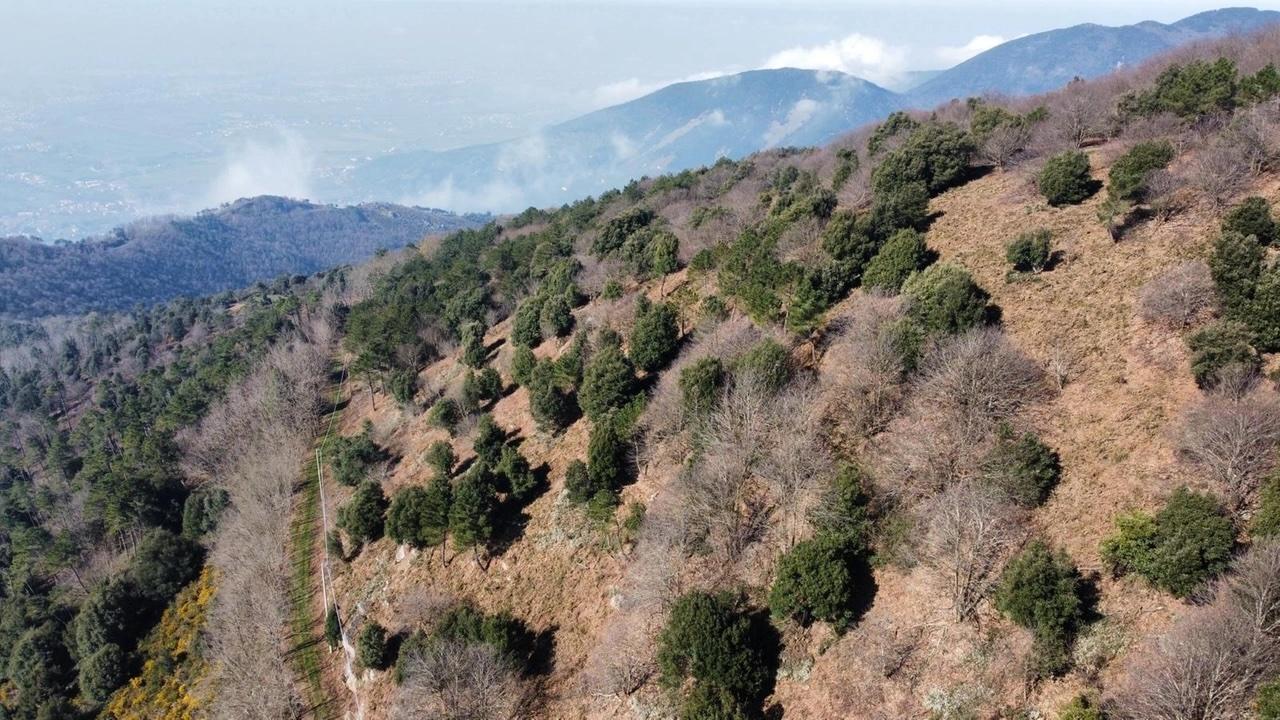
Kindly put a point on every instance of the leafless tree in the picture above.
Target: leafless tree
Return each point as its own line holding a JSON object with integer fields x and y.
{"x": 1166, "y": 194}
{"x": 970, "y": 527}
{"x": 623, "y": 660}
{"x": 1004, "y": 143}
{"x": 1232, "y": 441}
{"x": 1077, "y": 113}
{"x": 1219, "y": 171}
{"x": 1178, "y": 297}
{"x": 1209, "y": 665}
{"x": 863, "y": 369}
{"x": 456, "y": 680}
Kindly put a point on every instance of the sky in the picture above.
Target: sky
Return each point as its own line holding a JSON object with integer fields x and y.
{"x": 116, "y": 107}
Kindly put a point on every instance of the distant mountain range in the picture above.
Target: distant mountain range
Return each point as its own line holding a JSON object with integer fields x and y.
{"x": 694, "y": 123}
{"x": 158, "y": 259}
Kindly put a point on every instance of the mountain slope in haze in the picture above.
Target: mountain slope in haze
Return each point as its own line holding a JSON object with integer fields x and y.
{"x": 690, "y": 124}
{"x": 1044, "y": 61}
{"x": 678, "y": 127}
{"x": 157, "y": 259}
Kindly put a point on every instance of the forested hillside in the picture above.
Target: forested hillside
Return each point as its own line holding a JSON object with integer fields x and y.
{"x": 155, "y": 260}
{"x": 973, "y": 413}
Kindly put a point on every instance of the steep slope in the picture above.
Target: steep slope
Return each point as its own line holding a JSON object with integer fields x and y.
{"x": 153, "y": 260}
{"x": 678, "y": 127}
{"x": 1044, "y": 61}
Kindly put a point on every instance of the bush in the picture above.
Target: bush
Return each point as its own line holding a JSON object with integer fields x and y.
{"x": 1065, "y": 179}
{"x": 710, "y": 702}
{"x": 163, "y": 564}
{"x": 1236, "y": 266}
{"x": 768, "y": 362}
{"x": 1179, "y": 296}
{"x": 1129, "y": 173}
{"x": 480, "y": 389}
{"x": 522, "y": 362}
{"x": 471, "y": 511}
{"x": 201, "y": 511}
{"x": 1188, "y": 542}
{"x": 1218, "y": 346}
{"x": 102, "y": 672}
{"x": 489, "y": 441}
{"x": 1266, "y": 521}
{"x": 901, "y": 255}
{"x": 844, "y": 510}
{"x": 825, "y": 578}
{"x": 1081, "y": 708}
{"x": 606, "y": 455}
{"x": 434, "y": 519}
{"x": 655, "y": 335}
{"x": 847, "y": 237}
{"x": 371, "y": 647}
{"x": 332, "y": 628}
{"x": 945, "y": 299}
{"x": 906, "y": 206}
{"x": 1041, "y": 590}
{"x": 1264, "y": 311}
{"x": 556, "y": 318}
{"x": 441, "y": 458}
{"x": 1190, "y": 90}
{"x": 577, "y": 481}
{"x": 1030, "y": 251}
{"x": 351, "y": 457}
{"x": 1024, "y": 467}
{"x": 936, "y": 154}
{"x": 1252, "y": 217}
{"x": 474, "y": 352}
{"x": 405, "y": 517}
{"x": 551, "y": 405}
{"x": 526, "y": 326}
{"x": 362, "y": 516}
{"x": 445, "y": 414}
{"x": 514, "y": 469}
{"x": 607, "y": 383}
{"x": 700, "y": 385}
{"x": 710, "y": 639}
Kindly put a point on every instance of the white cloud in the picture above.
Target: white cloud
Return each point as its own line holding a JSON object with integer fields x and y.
{"x": 955, "y": 54}
{"x": 632, "y": 88}
{"x": 800, "y": 113}
{"x": 867, "y": 57}
{"x": 281, "y": 166}
{"x": 715, "y": 118}
{"x": 498, "y": 195}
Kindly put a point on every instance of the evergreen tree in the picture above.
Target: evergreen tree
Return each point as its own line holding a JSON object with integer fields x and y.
{"x": 471, "y": 512}
{"x": 655, "y": 336}
{"x": 607, "y": 383}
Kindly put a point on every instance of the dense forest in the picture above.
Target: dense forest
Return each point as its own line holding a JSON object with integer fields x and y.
{"x": 247, "y": 241}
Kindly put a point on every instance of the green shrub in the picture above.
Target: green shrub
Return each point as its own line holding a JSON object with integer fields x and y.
{"x": 508, "y": 636}
{"x": 1188, "y": 542}
{"x": 1236, "y": 266}
{"x": 847, "y": 237}
{"x": 844, "y": 509}
{"x": 1189, "y": 90}
{"x": 202, "y": 510}
{"x": 1264, "y": 311}
{"x": 1030, "y": 251}
{"x": 371, "y": 647}
{"x": 711, "y": 640}
{"x": 406, "y": 515}
{"x": 445, "y": 414}
{"x": 655, "y": 336}
{"x": 556, "y": 318}
{"x": 332, "y": 628}
{"x": 551, "y": 405}
{"x": 618, "y": 230}
{"x": 489, "y": 441}
{"x": 768, "y": 362}
{"x": 711, "y": 702}
{"x": 577, "y": 481}
{"x": 825, "y": 578}
{"x": 1268, "y": 701}
{"x": 1129, "y": 173}
{"x": 1040, "y": 590}
{"x": 351, "y": 457}
{"x": 516, "y": 473}
{"x": 1218, "y": 346}
{"x": 526, "y": 326}
{"x": 898, "y": 123}
{"x": 522, "y": 362}
{"x": 1266, "y": 521}
{"x": 906, "y": 206}
{"x": 471, "y": 510}
{"x": 102, "y": 672}
{"x": 403, "y": 385}
{"x": 480, "y": 389}
{"x": 1252, "y": 217}
{"x": 945, "y": 299}
{"x": 1022, "y": 466}
{"x": 936, "y": 154}
{"x": 606, "y": 454}
{"x": 474, "y": 352}
{"x": 435, "y": 518}
{"x": 700, "y": 384}
{"x": 713, "y": 308}
{"x": 362, "y": 516}
{"x": 901, "y": 255}
{"x": 607, "y": 383}
{"x": 1081, "y": 708}
{"x": 441, "y": 458}
{"x": 1065, "y": 179}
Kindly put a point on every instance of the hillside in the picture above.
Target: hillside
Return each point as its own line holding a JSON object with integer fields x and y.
{"x": 690, "y": 124}
{"x": 986, "y": 483}
{"x": 157, "y": 259}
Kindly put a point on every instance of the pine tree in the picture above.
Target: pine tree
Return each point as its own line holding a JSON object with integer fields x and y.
{"x": 607, "y": 383}
{"x": 471, "y": 513}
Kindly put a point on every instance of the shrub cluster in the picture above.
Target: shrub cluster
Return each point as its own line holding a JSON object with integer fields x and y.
{"x": 1065, "y": 179}
{"x": 1188, "y": 542}
{"x": 1041, "y": 590}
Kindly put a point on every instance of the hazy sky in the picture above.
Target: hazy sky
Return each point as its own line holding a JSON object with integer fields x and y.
{"x": 111, "y": 109}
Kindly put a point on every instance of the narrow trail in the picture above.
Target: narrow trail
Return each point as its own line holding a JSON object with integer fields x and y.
{"x": 309, "y": 529}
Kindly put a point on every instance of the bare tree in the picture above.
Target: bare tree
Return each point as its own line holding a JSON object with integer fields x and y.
{"x": 970, "y": 528}
{"x": 1178, "y": 297}
{"x": 1005, "y": 143}
{"x": 1231, "y": 441}
{"x": 456, "y": 680}
{"x": 1220, "y": 171}
{"x": 864, "y": 369}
